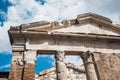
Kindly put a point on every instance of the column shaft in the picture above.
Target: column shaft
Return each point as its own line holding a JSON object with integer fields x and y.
{"x": 62, "y": 73}
{"x": 30, "y": 58}
{"x": 89, "y": 66}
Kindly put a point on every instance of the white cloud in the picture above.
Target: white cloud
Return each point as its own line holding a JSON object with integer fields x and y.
{"x": 108, "y": 8}
{"x": 74, "y": 59}
{"x": 3, "y": 15}
{"x": 26, "y": 11}
{"x": 4, "y": 40}
{"x": 5, "y": 66}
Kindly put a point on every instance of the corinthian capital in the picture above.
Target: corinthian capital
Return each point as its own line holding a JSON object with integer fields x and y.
{"x": 87, "y": 56}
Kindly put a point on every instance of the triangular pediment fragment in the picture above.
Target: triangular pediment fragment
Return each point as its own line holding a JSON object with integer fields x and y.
{"x": 84, "y": 23}
{"x": 89, "y": 28}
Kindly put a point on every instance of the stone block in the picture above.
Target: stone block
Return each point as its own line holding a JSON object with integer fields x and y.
{"x": 108, "y": 66}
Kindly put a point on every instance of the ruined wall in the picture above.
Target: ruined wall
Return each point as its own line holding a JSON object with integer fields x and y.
{"x": 87, "y": 34}
{"x": 108, "y": 66}
{"x": 16, "y": 66}
{"x": 49, "y": 74}
{"x": 75, "y": 73}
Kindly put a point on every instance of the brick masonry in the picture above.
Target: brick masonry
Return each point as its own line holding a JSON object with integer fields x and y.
{"x": 88, "y": 32}
{"x": 16, "y": 72}
{"x": 29, "y": 72}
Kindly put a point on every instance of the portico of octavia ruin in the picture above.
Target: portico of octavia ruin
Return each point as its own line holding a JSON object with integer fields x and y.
{"x": 92, "y": 37}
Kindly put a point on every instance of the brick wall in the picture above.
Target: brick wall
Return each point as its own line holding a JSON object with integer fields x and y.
{"x": 29, "y": 72}
{"x": 16, "y": 72}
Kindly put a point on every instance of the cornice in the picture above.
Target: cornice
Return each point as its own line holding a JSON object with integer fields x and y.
{"x": 46, "y": 28}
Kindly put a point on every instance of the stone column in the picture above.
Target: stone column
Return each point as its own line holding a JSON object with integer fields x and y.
{"x": 62, "y": 73}
{"x": 89, "y": 66}
{"x": 17, "y": 66}
{"x": 29, "y": 58}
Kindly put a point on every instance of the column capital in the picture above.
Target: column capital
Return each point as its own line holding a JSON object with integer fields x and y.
{"x": 89, "y": 65}
{"x": 87, "y": 56}
{"x": 60, "y": 55}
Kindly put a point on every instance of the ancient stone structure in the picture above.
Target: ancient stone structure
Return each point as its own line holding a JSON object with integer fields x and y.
{"x": 75, "y": 73}
{"x": 92, "y": 37}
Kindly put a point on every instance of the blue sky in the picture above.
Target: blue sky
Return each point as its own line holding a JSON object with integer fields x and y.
{"x": 43, "y": 62}
{"x": 16, "y": 12}
{"x": 3, "y": 7}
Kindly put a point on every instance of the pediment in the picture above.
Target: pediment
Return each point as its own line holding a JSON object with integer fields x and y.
{"x": 88, "y": 23}
{"x": 89, "y": 28}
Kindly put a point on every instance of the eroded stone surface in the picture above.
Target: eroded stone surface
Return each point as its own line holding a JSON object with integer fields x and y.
{"x": 17, "y": 66}
{"x": 62, "y": 72}
{"x": 75, "y": 73}
{"x": 108, "y": 66}
{"x": 89, "y": 66}
{"x": 88, "y": 32}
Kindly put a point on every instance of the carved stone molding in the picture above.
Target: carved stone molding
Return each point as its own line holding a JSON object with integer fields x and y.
{"x": 18, "y": 47}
